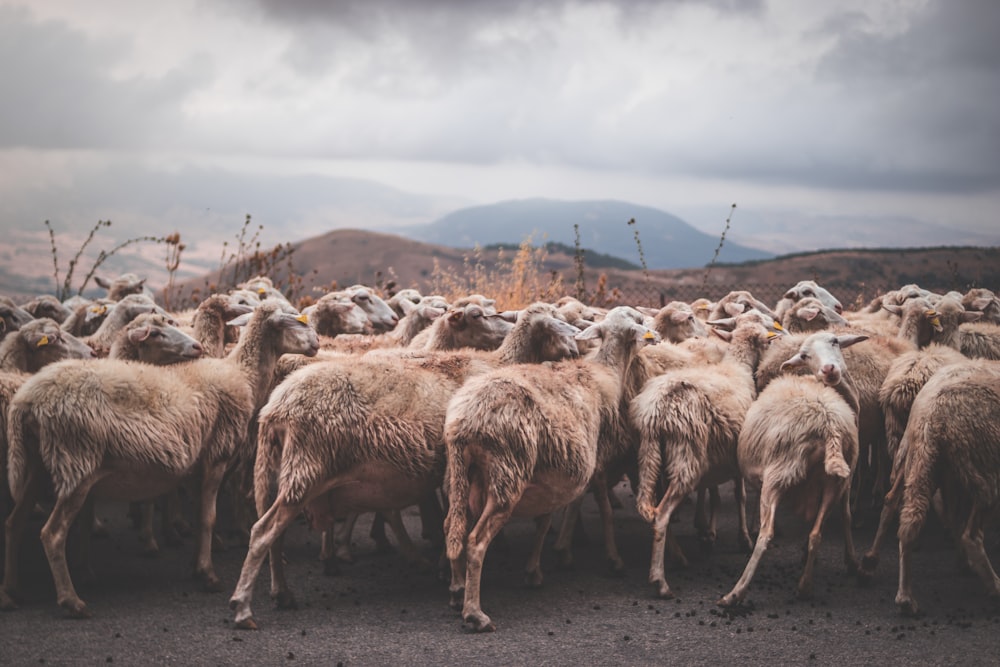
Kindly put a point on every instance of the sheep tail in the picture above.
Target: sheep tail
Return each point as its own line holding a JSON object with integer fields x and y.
{"x": 269, "y": 445}
{"x": 834, "y": 462}
{"x": 650, "y": 465}
{"x": 456, "y": 522}
{"x": 22, "y": 448}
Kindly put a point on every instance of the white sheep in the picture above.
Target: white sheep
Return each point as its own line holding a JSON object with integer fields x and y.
{"x": 810, "y": 314}
{"x": 382, "y": 317}
{"x": 984, "y": 301}
{"x": 739, "y": 301}
{"x": 120, "y": 314}
{"x": 39, "y": 343}
{"x": 800, "y": 440}
{"x": 688, "y": 423}
{"x": 952, "y": 444}
{"x": 807, "y": 289}
{"x": 365, "y": 434}
{"x": 525, "y": 441}
{"x": 87, "y": 316}
{"x": 408, "y": 294}
{"x": 133, "y": 431}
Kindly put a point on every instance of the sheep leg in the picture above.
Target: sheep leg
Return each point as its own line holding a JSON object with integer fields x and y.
{"x": 53, "y": 536}
{"x": 14, "y": 531}
{"x": 431, "y": 519}
{"x": 211, "y": 480}
{"x": 280, "y": 591}
{"x": 769, "y": 497}
{"x": 407, "y": 549}
{"x": 661, "y": 528}
{"x": 338, "y": 545}
{"x": 742, "y": 531}
{"x": 972, "y": 544}
{"x": 377, "y": 534}
{"x": 601, "y": 494}
{"x": 850, "y": 556}
{"x": 890, "y": 508}
{"x": 147, "y": 509}
{"x": 533, "y": 570}
{"x": 564, "y": 541}
{"x": 706, "y": 524}
{"x": 830, "y": 492}
{"x": 489, "y": 524}
{"x": 263, "y": 535}
{"x": 917, "y": 491}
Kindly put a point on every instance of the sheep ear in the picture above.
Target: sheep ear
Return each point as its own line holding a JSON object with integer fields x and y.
{"x": 456, "y": 319}
{"x": 723, "y": 334}
{"x": 679, "y": 317}
{"x": 847, "y": 340}
{"x": 795, "y": 362}
{"x": 726, "y": 323}
{"x": 971, "y": 316}
{"x": 560, "y": 327}
{"x": 734, "y": 309}
{"x": 590, "y": 333}
{"x": 240, "y": 321}
{"x": 645, "y": 310}
{"x": 427, "y": 312}
{"x": 407, "y": 306}
{"x": 509, "y": 315}
{"x": 981, "y": 303}
{"x": 895, "y": 310}
{"x": 139, "y": 334}
{"x": 808, "y": 314}
{"x": 102, "y": 282}
{"x": 790, "y": 294}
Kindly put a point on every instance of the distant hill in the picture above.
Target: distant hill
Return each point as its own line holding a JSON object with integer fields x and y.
{"x": 667, "y": 241}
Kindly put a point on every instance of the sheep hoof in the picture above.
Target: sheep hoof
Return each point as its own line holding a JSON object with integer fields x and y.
{"x": 663, "y": 590}
{"x": 210, "y": 582}
{"x": 728, "y": 601}
{"x": 616, "y": 567}
{"x": 907, "y": 605}
{"x": 804, "y": 593}
{"x": 533, "y": 579}
{"x": 456, "y": 599}
{"x": 480, "y": 622}
{"x": 285, "y": 600}
{"x": 868, "y": 564}
{"x": 76, "y": 609}
{"x": 247, "y": 624}
{"x": 6, "y": 602}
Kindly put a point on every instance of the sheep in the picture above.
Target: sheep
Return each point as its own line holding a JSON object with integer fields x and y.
{"x": 38, "y": 343}
{"x": 86, "y": 318}
{"x": 525, "y": 441}
{"x": 800, "y": 440}
{"x": 366, "y": 434}
{"x": 702, "y": 308}
{"x": 984, "y": 301}
{"x": 676, "y": 322}
{"x": 416, "y": 318}
{"x": 132, "y": 431}
{"x": 936, "y": 331}
{"x": 152, "y": 339}
{"x": 980, "y": 340}
{"x": 208, "y": 324}
{"x": 121, "y": 314}
{"x": 737, "y": 302}
{"x": 122, "y": 286}
{"x": 953, "y": 446}
{"x": 264, "y": 288}
{"x": 471, "y": 325}
{"x": 688, "y": 423}
{"x": 47, "y": 305}
{"x": 810, "y": 314}
{"x": 396, "y": 300}
{"x": 12, "y": 316}
{"x": 381, "y": 316}
{"x": 807, "y": 289}
{"x": 336, "y": 314}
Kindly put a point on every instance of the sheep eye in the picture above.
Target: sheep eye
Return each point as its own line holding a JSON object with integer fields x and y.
{"x": 807, "y": 292}
{"x": 361, "y": 297}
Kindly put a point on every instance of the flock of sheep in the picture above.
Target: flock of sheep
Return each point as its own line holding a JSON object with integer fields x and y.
{"x": 359, "y": 404}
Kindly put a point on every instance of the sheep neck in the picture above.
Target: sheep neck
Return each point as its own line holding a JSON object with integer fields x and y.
{"x": 257, "y": 358}
{"x": 210, "y": 331}
{"x": 849, "y": 393}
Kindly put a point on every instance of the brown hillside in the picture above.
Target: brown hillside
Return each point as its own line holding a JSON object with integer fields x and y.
{"x": 346, "y": 256}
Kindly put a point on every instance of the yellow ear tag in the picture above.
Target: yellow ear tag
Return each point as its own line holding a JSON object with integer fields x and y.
{"x": 777, "y": 325}
{"x": 303, "y": 318}
{"x": 649, "y": 335}
{"x": 261, "y": 290}
{"x": 98, "y": 310}
{"x": 43, "y": 341}
{"x": 935, "y": 321}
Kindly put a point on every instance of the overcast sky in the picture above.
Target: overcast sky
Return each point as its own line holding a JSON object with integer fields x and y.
{"x": 848, "y": 107}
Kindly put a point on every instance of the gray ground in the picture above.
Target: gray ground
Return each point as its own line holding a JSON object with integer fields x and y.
{"x": 381, "y": 611}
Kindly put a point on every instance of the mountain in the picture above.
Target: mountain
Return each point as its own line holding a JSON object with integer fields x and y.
{"x": 667, "y": 241}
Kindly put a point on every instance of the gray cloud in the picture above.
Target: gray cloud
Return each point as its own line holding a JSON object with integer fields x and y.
{"x": 60, "y": 91}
